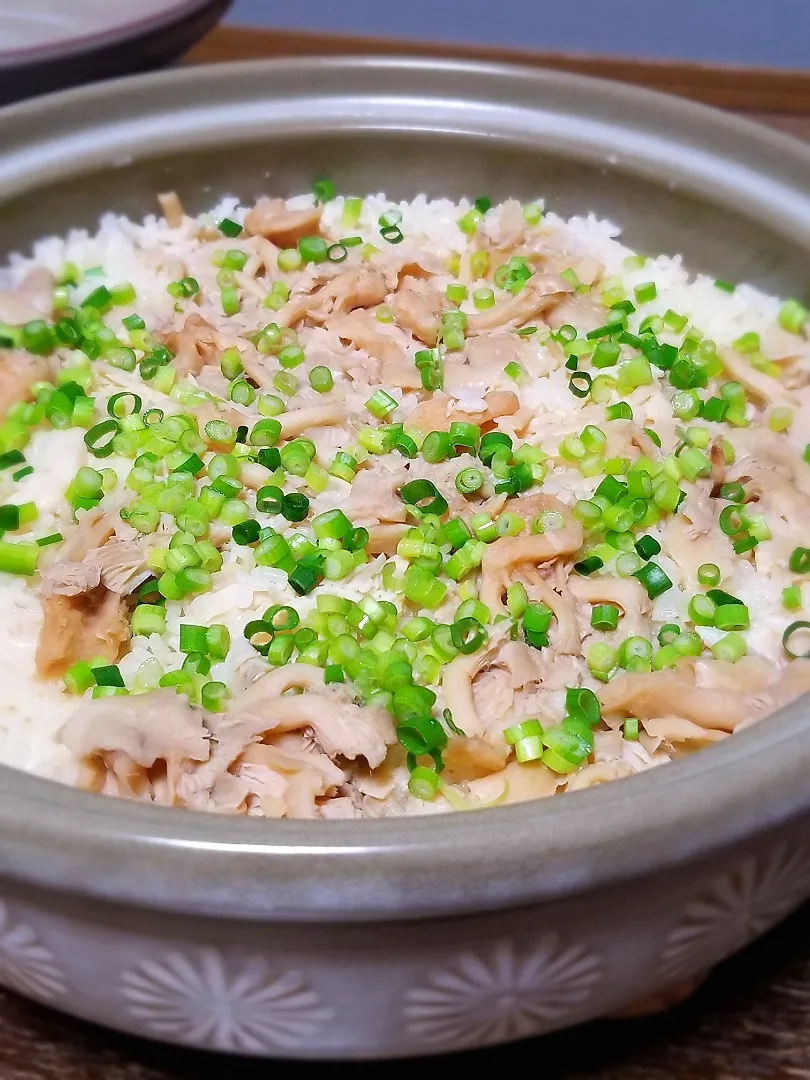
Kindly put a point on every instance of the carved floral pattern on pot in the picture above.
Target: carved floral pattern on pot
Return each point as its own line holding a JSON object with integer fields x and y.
{"x": 735, "y": 908}
{"x": 194, "y": 998}
{"x": 507, "y": 992}
{"x": 26, "y": 965}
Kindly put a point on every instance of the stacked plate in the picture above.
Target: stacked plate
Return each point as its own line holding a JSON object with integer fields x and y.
{"x": 49, "y": 44}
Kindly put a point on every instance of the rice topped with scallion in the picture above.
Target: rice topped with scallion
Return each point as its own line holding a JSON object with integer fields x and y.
{"x": 342, "y": 508}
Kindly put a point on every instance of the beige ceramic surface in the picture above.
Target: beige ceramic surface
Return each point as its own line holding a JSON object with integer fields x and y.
{"x": 401, "y": 937}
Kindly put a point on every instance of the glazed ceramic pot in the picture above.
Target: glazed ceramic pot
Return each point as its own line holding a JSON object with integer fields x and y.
{"x": 400, "y": 937}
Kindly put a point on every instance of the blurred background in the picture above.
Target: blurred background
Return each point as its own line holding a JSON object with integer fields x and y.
{"x": 762, "y": 33}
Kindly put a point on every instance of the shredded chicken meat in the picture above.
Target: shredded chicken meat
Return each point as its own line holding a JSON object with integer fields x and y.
{"x": 348, "y": 509}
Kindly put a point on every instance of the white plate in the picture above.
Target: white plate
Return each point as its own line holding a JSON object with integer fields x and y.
{"x": 47, "y": 44}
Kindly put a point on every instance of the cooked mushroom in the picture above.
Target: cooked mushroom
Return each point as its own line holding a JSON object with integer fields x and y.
{"x": 18, "y": 370}
{"x": 540, "y": 293}
{"x": 271, "y": 219}
{"x": 502, "y": 556}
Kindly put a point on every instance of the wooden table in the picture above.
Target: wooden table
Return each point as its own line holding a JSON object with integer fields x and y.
{"x": 751, "y": 1021}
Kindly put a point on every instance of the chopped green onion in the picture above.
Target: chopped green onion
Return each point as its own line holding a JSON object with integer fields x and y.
{"x": 721, "y": 598}
{"x": 20, "y": 558}
{"x": 380, "y": 404}
{"x": 654, "y": 580}
{"x": 580, "y": 384}
{"x": 11, "y": 457}
{"x": 800, "y": 560}
{"x": 436, "y": 447}
{"x": 645, "y": 292}
{"x": 468, "y": 481}
{"x": 467, "y": 635}
{"x": 289, "y": 259}
{"x": 332, "y": 524}
{"x": 79, "y": 677}
{"x": 702, "y": 610}
{"x": 99, "y": 300}
{"x": 514, "y": 371}
{"x": 732, "y": 617}
{"x": 601, "y": 659}
{"x": 183, "y": 289}
{"x": 423, "y": 783}
{"x": 321, "y": 379}
{"x": 352, "y": 208}
{"x": 99, "y": 439}
{"x": 313, "y": 249}
{"x": 588, "y": 566}
{"x": 229, "y": 228}
{"x": 792, "y": 316}
{"x": 604, "y": 617}
{"x": 731, "y": 520}
{"x": 108, "y": 675}
{"x": 731, "y": 648}
{"x": 295, "y": 506}
{"x": 415, "y": 492}
{"x": 791, "y": 597}
{"x": 423, "y": 588}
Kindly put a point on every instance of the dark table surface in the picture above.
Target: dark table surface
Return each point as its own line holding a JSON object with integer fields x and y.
{"x": 751, "y": 1019}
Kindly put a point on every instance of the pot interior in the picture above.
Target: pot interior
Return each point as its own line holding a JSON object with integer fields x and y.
{"x": 655, "y": 213}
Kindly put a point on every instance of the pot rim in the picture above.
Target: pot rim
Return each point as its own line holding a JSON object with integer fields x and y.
{"x": 62, "y": 839}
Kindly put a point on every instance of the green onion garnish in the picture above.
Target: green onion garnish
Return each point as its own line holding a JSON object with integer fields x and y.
{"x": 604, "y": 617}
{"x": 247, "y": 532}
{"x": 230, "y": 228}
{"x": 721, "y": 597}
{"x": 467, "y": 635}
{"x": 630, "y": 729}
{"x": 647, "y": 546}
{"x": 654, "y": 580}
{"x": 380, "y": 404}
{"x": 313, "y": 249}
{"x": 51, "y": 538}
{"x": 109, "y": 675}
{"x": 468, "y": 481}
{"x": 119, "y": 404}
{"x": 295, "y": 506}
{"x": 424, "y": 496}
{"x": 708, "y": 574}
{"x": 800, "y": 560}
{"x": 792, "y": 316}
{"x": 99, "y": 300}
{"x": 323, "y": 189}
{"x": 21, "y": 558}
{"x": 99, "y": 439}
{"x": 259, "y": 634}
{"x": 588, "y": 566}
{"x": 183, "y": 289}
{"x": 793, "y": 629}
{"x": 580, "y": 384}
{"x": 282, "y": 618}
{"x": 307, "y": 574}
{"x": 732, "y": 617}
{"x": 11, "y": 457}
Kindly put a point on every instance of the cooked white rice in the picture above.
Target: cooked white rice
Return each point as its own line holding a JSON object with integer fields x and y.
{"x": 767, "y": 438}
